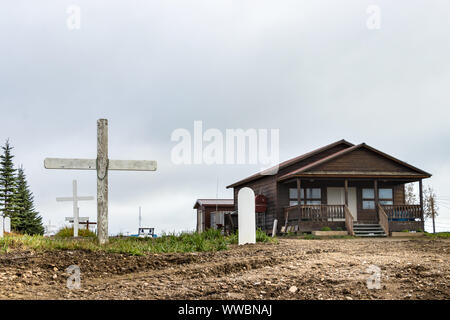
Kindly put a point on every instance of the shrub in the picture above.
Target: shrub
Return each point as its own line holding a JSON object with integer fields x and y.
{"x": 326, "y": 229}
{"x": 67, "y": 232}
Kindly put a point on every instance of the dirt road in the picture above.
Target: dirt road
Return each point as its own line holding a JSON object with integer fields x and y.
{"x": 291, "y": 269}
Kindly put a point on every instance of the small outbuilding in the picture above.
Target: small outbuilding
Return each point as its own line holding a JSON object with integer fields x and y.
{"x": 211, "y": 212}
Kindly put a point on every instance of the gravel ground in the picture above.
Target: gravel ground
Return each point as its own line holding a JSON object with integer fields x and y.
{"x": 291, "y": 269}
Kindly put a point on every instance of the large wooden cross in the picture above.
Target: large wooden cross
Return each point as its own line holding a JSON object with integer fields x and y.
{"x": 102, "y": 165}
{"x": 75, "y": 198}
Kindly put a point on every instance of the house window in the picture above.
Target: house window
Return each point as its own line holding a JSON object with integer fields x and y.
{"x": 313, "y": 196}
{"x": 385, "y": 197}
{"x": 368, "y": 199}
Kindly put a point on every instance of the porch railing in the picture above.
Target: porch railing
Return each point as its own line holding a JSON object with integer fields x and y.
{"x": 348, "y": 221}
{"x": 383, "y": 219}
{"x": 402, "y": 212}
{"x": 319, "y": 212}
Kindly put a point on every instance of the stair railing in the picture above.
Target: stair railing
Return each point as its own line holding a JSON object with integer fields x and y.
{"x": 384, "y": 221}
{"x": 348, "y": 221}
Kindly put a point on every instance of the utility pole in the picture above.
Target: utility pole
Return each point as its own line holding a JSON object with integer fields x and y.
{"x": 140, "y": 218}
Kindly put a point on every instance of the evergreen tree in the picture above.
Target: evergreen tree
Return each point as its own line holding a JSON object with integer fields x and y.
{"x": 7, "y": 181}
{"x": 24, "y": 218}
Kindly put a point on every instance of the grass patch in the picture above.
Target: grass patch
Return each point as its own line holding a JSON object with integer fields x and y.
{"x": 210, "y": 240}
{"x": 438, "y": 235}
{"x": 67, "y": 232}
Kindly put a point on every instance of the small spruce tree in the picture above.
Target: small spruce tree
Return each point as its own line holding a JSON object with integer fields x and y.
{"x": 25, "y": 219}
{"x": 7, "y": 181}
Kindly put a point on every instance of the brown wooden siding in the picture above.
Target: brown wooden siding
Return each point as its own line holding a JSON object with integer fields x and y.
{"x": 362, "y": 160}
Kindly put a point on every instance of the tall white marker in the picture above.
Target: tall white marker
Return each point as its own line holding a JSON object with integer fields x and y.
{"x": 7, "y": 223}
{"x": 246, "y": 216}
{"x": 1, "y": 226}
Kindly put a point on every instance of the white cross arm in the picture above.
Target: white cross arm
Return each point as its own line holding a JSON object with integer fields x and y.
{"x": 78, "y": 198}
{"x": 75, "y": 164}
{"x": 80, "y": 219}
{"x": 90, "y": 164}
{"x": 132, "y": 165}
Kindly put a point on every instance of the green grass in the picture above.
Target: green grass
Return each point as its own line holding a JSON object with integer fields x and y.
{"x": 67, "y": 232}
{"x": 438, "y": 235}
{"x": 210, "y": 240}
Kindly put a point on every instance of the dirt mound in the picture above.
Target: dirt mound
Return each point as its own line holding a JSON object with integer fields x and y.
{"x": 292, "y": 269}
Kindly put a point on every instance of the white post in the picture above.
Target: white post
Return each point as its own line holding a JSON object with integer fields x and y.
{"x": 274, "y": 230}
{"x": 246, "y": 216}
{"x": 7, "y": 223}
{"x": 1, "y": 226}
{"x": 75, "y": 208}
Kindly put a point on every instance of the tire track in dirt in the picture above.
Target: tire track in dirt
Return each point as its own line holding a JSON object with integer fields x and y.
{"x": 320, "y": 269}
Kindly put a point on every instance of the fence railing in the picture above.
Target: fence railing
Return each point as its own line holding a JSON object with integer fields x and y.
{"x": 383, "y": 219}
{"x": 348, "y": 221}
{"x": 319, "y": 212}
{"x": 402, "y": 212}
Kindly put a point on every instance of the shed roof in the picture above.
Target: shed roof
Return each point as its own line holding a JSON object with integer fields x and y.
{"x": 214, "y": 202}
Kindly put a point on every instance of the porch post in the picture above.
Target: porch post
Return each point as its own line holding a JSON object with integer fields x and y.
{"x": 375, "y": 190}
{"x": 346, "y": 191}
{"x": 421, "y": 198}
{"x": 299, "y": 198}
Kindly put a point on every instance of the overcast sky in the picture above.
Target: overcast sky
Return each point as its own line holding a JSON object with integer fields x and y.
{"x": 312, "y": 69}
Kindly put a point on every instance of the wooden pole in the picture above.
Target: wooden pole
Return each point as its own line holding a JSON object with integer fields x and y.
{"x": 102, "y": 180}
{"x": 421, "y": 198}
{"x": 346, "y": 191}
{"x": 299, "y": 198}
{"x": 375, "y": 190}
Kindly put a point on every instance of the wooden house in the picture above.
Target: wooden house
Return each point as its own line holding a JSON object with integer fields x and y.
{"x": 342, "y": 186}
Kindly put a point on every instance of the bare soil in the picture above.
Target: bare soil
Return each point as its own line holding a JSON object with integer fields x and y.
{"x": 318, "y": 269}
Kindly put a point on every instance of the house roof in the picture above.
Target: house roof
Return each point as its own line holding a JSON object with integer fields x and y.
{"x": 214, "y": 202}
{"x": 308, "y": 169}
{"x": 291, "y": 161}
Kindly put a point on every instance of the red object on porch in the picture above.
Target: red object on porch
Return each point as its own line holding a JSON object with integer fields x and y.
{"x": 260, "y": 203}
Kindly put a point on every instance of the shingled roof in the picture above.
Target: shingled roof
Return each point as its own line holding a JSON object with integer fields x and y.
{"x": 214, "y": 202}
{"x": 308, "y": 168}
{"x": 289, "y": 162}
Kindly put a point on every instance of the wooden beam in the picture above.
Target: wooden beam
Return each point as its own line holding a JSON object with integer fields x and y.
{"x": 375, "y": 191}
{"x": 299, "y": 198}
{"x": 102, "y": 181}
{"x": 74, "y": 164}
{"x": 421, "y": 197}
{"x": 346, "y": 191}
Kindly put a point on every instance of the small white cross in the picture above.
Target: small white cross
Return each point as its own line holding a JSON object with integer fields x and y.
{"x": 75, "y": 198}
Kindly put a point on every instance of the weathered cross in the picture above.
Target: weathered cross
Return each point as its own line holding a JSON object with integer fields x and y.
{"x": 102, "y": 165}
{"x": 75, "y": 198}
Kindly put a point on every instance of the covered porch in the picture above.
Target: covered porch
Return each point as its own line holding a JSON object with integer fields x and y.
{"x": 342, "y": 203}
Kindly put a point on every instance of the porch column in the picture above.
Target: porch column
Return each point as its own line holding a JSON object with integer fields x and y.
{"x": 421, "y": 198}
{"x": 346, "y": 191}
{"x": 299, "y": 198}
{"x": 375, "y": 190}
